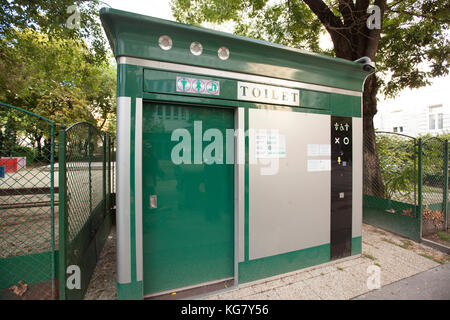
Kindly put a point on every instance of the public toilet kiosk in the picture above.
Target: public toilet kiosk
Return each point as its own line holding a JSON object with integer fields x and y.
{"x": 237, "y": 159}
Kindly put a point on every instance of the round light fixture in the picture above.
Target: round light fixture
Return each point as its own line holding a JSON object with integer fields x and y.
{"x": 196, "y": 48}
{"x": 165, "y": 42}
{"x": 223, "y": 53}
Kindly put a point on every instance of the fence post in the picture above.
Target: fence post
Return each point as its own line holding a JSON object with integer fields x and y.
{"x": 52, "y": 206}
{"x": 444, "y": 207}
{"x": 109, "y": 173}
{"x": 62, "y": 212}
{"x": 420, "y": 191}
{"x": 105, "y": 144}
{"x": 89, "y": 168}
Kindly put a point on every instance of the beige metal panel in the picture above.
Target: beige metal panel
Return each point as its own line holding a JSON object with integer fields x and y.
{"x": 357, "y": 185}
{"x": 289, "y": 210}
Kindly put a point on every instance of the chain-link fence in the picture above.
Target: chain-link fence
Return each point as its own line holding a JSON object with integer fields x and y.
{"x": 391, "y": 176}
{"x": 434, "y": 184}
{"x": 28, "y": 199}
{"x": 85, "y": 216}
{"x": 54, "y": 204}
{"x": 406, "y": 184}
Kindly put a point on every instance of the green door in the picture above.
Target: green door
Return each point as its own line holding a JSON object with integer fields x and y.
{"x": 188, "y": 209}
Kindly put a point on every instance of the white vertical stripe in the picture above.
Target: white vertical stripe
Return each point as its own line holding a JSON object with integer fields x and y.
{"x": 240, "y": 180}
{"x": 138, "y": 187}
{"x": 357, "y": 176}
{"x": 123, "y": 189}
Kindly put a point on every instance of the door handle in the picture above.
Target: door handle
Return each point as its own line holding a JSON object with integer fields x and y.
{"x": 153, "y": 201}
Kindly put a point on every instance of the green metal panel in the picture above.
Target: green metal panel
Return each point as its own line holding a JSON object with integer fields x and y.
{"x": 345, "y": 106}
{"x": 137, "y": 36}
{"x": 392, "y": 216}
{"x": 189, "y": 238}
{"x": 165, "y": 82}
{"x": 156, "y": 81}
{"x": 314, "y": 100}
{"x": 266, "y": 267}
{"x": 20, "y": 265}
{"x": 130, "y": 291}
{"x": 356, "y": 245}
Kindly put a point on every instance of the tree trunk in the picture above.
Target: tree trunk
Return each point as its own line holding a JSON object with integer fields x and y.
{"x": 373, "y": 182}
{"x": 352, "y": 40}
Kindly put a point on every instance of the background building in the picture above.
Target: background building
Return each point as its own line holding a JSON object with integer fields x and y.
{"x": 417, "y": 111}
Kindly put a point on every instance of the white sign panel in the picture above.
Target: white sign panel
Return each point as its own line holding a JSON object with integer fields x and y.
{"x": 268, "y": 94}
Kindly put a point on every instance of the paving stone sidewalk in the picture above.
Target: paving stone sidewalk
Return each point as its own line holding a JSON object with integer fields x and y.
{"x": 397, "y": 257}
{"x": 433, "y": 284}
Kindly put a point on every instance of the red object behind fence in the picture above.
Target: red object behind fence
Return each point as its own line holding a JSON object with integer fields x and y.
{"x": 9, "y": 163}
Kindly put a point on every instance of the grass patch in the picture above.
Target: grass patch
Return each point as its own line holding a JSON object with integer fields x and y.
{"x": 405, "y": 244}
{"x": 444, "y": 236}
{"x": 390, "y": 241}
{"x": 438, "y": 260}
{"x": 377, "y": 264}
{"x": 369, "y": 256}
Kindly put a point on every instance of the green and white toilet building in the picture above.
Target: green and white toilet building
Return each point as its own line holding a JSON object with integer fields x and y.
{"x": 237, "y": 159}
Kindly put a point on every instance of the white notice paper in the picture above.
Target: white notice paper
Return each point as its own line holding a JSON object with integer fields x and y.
{"x": 319, "y": 165}
{"x": 270, "y": 145}
{"x": 318, "y": 150}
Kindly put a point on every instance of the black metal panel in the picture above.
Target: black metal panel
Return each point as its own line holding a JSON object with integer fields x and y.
{"x": 341, "y": 187}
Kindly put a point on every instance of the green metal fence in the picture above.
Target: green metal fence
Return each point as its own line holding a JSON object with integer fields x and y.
{"x": 55, "y": 205}
{"x": 434, "y": 184}
{"x": 28, "y": 205}
{"x": 412, "y": 197}
{"x": 393, "y": 202}
{"x": 85, "y": 218}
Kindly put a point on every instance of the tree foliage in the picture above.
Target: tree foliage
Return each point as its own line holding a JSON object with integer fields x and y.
{"x": 52, "y": 16}
{"x": 413, "y": 44}
{"x": 53, "y": 78}
{"x": 52, "y": 68}
{"x": 410, "y": 47}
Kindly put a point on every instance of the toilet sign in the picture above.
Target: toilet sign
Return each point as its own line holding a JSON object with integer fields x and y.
{"x": 199, "y": 86}
{"x": 341, "y": 128}
{"x": 267, "y": 94}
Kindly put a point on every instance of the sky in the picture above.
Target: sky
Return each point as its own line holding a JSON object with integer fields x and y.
{"x": 155, "y": 8}
{"x": 161, "y": 9}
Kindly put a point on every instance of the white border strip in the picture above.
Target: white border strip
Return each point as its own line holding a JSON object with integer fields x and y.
{"x": 232, "y": 75}
{"x": 123, "y": 189}
{"x": 138, "y": 187}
